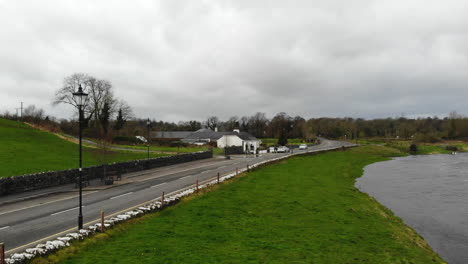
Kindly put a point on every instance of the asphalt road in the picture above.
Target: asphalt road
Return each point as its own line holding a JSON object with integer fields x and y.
{"x": 26, "y": 223}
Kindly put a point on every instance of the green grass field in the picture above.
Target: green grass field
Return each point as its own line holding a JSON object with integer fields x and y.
{"x": 24, "y": 150}
{"x": 165, "y": 148}
{"x": 274, "y": 141}
{"x": 423, "y": 148}
{"x": 301, "y": 210}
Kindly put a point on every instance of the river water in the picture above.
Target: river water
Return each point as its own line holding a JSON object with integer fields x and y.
{"x": 430, "y": 193}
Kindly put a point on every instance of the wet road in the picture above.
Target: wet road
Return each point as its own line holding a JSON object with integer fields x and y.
{"x": 430, "y": 193}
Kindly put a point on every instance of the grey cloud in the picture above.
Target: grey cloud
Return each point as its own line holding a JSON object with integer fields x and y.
{"x": 188, "y": 60}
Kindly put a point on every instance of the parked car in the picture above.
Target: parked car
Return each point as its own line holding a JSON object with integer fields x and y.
{"x": 282, "y": 149}
{"x": 303, "y": 146}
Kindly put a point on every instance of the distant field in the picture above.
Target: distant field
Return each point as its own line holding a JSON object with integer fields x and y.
{"x": 166, "y": 149}
{"x": 25, "y": 150}
{"x": 274, "y": 141}
{"x": 301, "y": 210}
{"x": 423, "y": 148}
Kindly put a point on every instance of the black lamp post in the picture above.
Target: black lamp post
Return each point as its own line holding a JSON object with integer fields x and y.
{"x": 148, "y": 123}
{"x": 80, "y": 99}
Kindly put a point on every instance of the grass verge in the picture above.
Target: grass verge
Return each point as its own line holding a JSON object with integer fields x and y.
{"x": 25, "y": 150}
{"x": 301, "y": 210}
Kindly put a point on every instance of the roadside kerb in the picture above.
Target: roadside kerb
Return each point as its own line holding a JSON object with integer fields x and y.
{"x": 46, "y": 246}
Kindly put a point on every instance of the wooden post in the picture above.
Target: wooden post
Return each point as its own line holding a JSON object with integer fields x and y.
{"x": 2, "y": 253}
{"x": 162, "y": 200}
{"x": 103, "y": 227}
{"x": 197, "y": 186}
{"x": 248, "y": 170}
{"x": 218, "y": 177}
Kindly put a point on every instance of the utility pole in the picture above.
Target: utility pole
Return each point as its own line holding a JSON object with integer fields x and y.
{"x": 21, "y": 110}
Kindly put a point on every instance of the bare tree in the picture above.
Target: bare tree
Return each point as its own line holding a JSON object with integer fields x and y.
{"x": 232, "y": 123}
{"x": 124, "y": 113}
{"x": 65, "y": 94}
{"x": 127, "y": 111}
{"x": 212, "y": 122}
{"x": 257, "y": 124}
{"x": 100, "y": 101}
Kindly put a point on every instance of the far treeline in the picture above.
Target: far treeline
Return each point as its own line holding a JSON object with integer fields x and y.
{"x": 430, "y": 129}
{"x": 107, "y": 117}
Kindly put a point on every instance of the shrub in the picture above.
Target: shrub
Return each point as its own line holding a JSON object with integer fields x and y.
{"x": 451, "y": 148}
{"x": 413, "y": 148}
{"x": 124, "y": 139}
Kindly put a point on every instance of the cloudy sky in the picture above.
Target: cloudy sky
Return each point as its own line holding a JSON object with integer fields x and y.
{"x": 180, "y": 60}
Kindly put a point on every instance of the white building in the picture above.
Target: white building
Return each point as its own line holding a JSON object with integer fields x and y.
{"x": 225, "y": 139}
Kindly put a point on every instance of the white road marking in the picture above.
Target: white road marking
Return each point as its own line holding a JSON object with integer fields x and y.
{"x": 118, "y": 196}
{"x": 158, "y": 185}
{"x": 65, "y": 211}
{"x": 170, "y": 173}
{"x": 185, "y": 177}
{"x": 206, "y": 171}
{"x": 36, "y": 205}
{"x": 5, "y": 227}
{"x": 222, "y": 167}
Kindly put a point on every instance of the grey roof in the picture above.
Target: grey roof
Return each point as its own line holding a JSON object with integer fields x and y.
{"x": 245, "y": 136}
{"x": 171, "y": 134}
{"x": 212, "y": 135}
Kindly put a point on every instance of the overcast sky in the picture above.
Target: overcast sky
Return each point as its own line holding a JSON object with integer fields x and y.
{"x": 180, "y": 60}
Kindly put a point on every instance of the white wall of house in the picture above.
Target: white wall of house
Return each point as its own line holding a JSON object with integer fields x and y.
{"x": 229, "y": 141}
{"x": 251, "y": 145}
{"x": 233, "y": 140}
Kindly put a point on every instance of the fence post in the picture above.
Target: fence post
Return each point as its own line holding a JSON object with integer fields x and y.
{"x": 237, "y": 171}
{"x": 103, "y": 227}
{"x": 162, "y": 200}
{"x": 197, "y": 186}
{"x": 218, "y": 177}
{"x": 248, "y": 170}
{"x": 2, "y": 253}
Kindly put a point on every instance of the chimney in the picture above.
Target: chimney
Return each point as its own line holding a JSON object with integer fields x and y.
{"x": 236, "y": 130}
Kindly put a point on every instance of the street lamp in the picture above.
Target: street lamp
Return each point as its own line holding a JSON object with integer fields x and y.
{"x": 148, "y": 123}
{"x": 80, "y": 99}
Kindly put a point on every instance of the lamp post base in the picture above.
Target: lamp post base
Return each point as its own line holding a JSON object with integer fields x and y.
{"x": 80, "y": 222}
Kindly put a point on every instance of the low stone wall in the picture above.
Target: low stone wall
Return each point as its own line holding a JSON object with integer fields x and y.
{"x": 234, "y": 150}
{"x": 23, "y": 183}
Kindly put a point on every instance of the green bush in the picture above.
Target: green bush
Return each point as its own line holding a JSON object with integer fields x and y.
{"x": 451, "y": 148}
{"x": 413, "y": 148}
{"x": 125, "y": 139}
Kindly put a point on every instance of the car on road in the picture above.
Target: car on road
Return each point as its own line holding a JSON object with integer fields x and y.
{"x": 303, "y": 146}
{"x": 282, "y": 149}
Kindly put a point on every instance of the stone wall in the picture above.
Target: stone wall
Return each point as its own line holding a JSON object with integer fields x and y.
{"x": 23, "y": 183}
{"x": 234, "y": 150}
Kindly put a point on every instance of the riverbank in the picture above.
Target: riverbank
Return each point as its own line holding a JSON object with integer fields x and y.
{"x": 442, "y": 147}
{"x": 301, "y": 210}
{"x": 429, "y": 192}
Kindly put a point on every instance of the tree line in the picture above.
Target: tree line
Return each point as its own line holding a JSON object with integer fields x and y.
{"x": 106, "y": 116}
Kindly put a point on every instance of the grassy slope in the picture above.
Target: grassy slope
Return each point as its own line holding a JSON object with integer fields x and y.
{"x": 164, "y": 148}
{"x": 27, "y": 150}
{"x": 303, "y": 210}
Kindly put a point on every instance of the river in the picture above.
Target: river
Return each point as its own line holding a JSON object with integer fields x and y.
{"x": 430, "y": 193}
